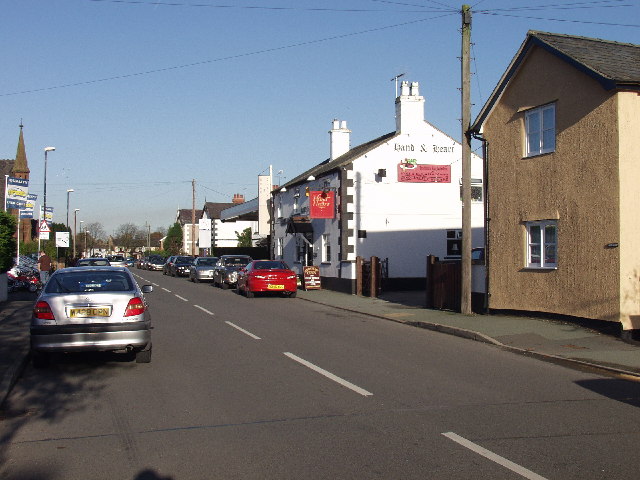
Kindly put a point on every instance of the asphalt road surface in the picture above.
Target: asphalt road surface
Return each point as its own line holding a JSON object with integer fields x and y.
{"x": 279, "y": 388}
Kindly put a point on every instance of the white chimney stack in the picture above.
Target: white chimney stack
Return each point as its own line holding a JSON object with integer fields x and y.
{"x": 409, "y": 108}
{"x": 340, "y": 139}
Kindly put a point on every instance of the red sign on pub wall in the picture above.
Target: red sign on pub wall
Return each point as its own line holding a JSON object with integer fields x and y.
{"x": 412, "y": 172}
{"x": 322, "y": 204}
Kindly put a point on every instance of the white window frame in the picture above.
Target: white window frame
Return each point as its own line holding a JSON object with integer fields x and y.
{"x": 541, "y": 236}
{"x": 279, "y": 247}
{"x": 540, "y": 130}
{"x": 326, "y": 248}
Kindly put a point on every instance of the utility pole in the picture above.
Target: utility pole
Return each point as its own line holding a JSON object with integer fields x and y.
{"x": 465, "y": 291}
{"x": 193, "y": 216}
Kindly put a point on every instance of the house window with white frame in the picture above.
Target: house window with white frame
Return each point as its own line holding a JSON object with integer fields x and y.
{"x": 542, "y": 244}
{"x": 326, "y": 248}
{"x": 279, "y": 247}
{"x": 540, "y": 130}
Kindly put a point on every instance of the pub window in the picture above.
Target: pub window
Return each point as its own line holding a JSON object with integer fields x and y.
{"x": 301, "y": 250}
{"x": 279, "y": 247}
{"x": 326, "y": 248}
{"x": 476, "y": 190}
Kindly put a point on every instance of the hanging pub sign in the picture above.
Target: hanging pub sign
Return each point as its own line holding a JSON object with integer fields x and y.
{"x": 410, "y": 171}
{"x": 311, "y": 277}
{"x": 322, "y": 204}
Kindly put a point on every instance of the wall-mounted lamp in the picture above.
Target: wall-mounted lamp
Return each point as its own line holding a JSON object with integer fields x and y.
{"x": 310, "y": 178}
{"x": 283, "y": 189}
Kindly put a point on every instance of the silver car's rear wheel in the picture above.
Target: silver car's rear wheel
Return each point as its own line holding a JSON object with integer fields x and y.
{"x": 40, "y": 359}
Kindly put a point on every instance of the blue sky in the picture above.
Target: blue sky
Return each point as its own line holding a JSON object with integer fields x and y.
{"x": 139, "y": 97}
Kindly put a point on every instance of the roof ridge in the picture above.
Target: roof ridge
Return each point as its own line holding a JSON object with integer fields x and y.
{"x": 580, "y": 37}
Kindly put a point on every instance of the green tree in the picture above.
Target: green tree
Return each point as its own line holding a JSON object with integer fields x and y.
{"x": 7, "y": 242}
{"x": 173, "y": 242}
{"x": 245, "y": 238}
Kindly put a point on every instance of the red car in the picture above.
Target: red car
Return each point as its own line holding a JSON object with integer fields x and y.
{"x": 267, "y": 276}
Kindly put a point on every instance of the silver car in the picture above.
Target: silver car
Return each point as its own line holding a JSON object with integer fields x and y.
{"x": 201, "y": 269}
{"x": 91, "y": 309}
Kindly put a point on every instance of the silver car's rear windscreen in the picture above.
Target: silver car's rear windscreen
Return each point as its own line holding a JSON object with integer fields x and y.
{"x": 91, "y": 281}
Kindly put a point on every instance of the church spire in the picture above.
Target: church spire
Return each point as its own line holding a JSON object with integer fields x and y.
{"x": 21, "y": 166}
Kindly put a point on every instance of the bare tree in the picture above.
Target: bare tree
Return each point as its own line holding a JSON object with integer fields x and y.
{"x": 128, "y": 236}
{"x": 94, "y": 236}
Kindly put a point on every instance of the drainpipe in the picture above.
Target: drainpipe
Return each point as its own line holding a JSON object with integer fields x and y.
{"x": 485, "y": 171}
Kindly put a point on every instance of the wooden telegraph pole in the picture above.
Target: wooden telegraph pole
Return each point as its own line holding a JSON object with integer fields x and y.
{"x": 465, "y": 300}
{"x": 193, "y": 216}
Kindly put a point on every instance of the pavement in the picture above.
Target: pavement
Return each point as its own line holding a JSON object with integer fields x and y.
{"x": 595, "y": 346}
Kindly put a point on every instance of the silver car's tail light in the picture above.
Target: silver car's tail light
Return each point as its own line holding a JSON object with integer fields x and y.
{"x": 42, "y": 311}
{"x": 135, "y": 307}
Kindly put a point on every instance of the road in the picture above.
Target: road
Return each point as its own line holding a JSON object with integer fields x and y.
{"x": 278, "y": 388}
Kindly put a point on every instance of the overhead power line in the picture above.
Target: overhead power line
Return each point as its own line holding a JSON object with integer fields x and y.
{"x": 221, "y": 59}
{"x": 258, "y": 7}
{"x": 566, "y": 20}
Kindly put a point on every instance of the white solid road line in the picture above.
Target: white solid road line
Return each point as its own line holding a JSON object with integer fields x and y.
{"x": 203, "y": 309}
{"x": 514, "y": 467}
{"x": 243, "y": 330}
{"x": 329, "y": 375}
{"x": 181, "y": 298}
{"x": 166, "y": 290}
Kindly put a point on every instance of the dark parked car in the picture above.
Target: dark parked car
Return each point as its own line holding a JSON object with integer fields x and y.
{"x": 91, "y": 309}
{"x": 166, "y": 268}
{"x": 202, "y": 269}
{"x": 180, "y": 266}
{"x": 267, "y": 276}
{"x": 225, "y": 273}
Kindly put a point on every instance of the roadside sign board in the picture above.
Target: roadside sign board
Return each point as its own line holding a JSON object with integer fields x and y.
{"x": 44, "y": 230}
{"x": 62, "y": 239}
{"x": 311, "y": 277}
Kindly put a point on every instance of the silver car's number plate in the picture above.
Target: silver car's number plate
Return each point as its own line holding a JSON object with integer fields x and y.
{"x": 88, "y": 312}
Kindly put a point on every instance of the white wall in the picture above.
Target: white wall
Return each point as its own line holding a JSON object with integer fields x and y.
{"x": 224, "y": 233}
{"x": 403, "y": 221}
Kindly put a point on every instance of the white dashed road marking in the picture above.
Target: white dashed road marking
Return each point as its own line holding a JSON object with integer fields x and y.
{"x": 243, "y": 331}
{"x": 329, "y": 375}
{"x": 514, "y": 467}
{"x": 203, "y": 309}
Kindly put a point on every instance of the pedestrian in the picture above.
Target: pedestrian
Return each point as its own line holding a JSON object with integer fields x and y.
{"x": 44, "y": 265}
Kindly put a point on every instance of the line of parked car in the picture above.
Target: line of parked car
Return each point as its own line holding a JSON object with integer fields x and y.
{"x": 246, "y": 275}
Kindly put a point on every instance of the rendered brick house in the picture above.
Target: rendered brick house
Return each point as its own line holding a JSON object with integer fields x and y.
{"x": 563, "y": 169}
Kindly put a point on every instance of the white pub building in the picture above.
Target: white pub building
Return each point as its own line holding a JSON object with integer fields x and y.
{"x": 397, "y": 197}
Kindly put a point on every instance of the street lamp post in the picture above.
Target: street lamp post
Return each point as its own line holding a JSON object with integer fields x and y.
{"x": 68, "y": 192}
{"x": 75, "y": 224}
{"x": 46, "y": 150}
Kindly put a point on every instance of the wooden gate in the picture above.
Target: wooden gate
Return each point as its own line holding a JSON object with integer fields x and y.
{"x": 444, "y": 280}
{"x": 369, "y": 275}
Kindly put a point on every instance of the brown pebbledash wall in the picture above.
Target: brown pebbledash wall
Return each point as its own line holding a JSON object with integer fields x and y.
{"x": 579, "y": 185}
